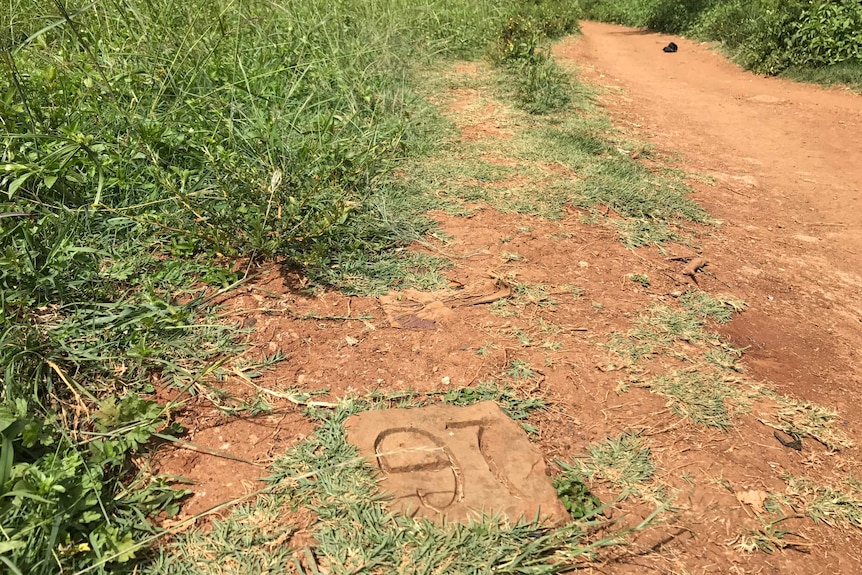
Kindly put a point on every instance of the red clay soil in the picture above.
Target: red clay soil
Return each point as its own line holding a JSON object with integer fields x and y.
{"x": 786, "y": 160}
{"x": 780, "y": 164}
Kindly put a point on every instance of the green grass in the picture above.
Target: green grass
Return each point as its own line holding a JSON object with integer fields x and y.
{"x": 558, "y": 156}
{"x": 834, "y": 506}
{"x": 702, "y": 397}
{"x": 622, "y": 461}
{"x": 660, "y": 329}
{"x": 769, "y": 538}
{"x": 846, "y": 73}
{"x": 147, "y": 147}
{"x": 355, "y": 532}
{"x": 719, "y": 308}
{"x": 807, "y": 419}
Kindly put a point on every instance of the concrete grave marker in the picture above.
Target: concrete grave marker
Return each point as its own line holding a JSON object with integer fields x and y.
{"x": 456, "y": 462}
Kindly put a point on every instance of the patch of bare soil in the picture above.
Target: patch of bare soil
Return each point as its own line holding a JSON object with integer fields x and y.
{"x": 785, "y": 174}
{"x": 780, "y": 163}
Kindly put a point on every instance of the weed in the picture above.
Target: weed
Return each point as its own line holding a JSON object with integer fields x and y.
{"x": 575, "y": 495}
{"x": 520, "y": 369}
{"x": 657, "y": 330}
{"x": 719, "y": 308}
{"x": 548, "y": 327}
{"x": 523, "y": 338}
{"x": 250, "y": 539}
{"x": 510, "y": 257}
{"x": 768, "y": 539}
{"x": 536, "y": 294}
{"x": 504, "y": 308}
{"x": 725, "y": 358}
{"x": 807, "y": 419}
{"x": 513, "y": 403}
{"x": 641, "y": 279}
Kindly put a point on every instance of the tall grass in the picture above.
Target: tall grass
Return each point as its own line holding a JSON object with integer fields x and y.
{"x": 147, "y": 145}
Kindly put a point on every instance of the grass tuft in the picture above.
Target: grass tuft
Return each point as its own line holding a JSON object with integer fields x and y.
{"x": 708, "y": 399}
{"x": 807, "y": 419}
{"x": 836, "y": 507}
{"x": 622, "y": 461}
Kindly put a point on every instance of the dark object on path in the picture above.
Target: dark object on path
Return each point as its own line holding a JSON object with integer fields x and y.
{"x": 787, "y": 440}
{"x": 671, "y": 47}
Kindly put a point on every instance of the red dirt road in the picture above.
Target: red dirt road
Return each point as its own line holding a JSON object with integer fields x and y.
{"x": 785, "y": 163}
{"x": 778, "y": 163}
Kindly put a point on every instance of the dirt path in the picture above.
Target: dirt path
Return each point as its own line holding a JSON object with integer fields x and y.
{"x": 786, "y": 164}
{"x": 536, "y": 303}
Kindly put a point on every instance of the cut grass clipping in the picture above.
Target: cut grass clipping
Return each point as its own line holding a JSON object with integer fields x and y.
{"x": 704, "y": 398}
{"x": 807, "y": 419}
{"x": 622, "y": 461}
{"x": 836, "y": 507}
{"x": 355, "y": 532}
{"x": 662, "y": 327}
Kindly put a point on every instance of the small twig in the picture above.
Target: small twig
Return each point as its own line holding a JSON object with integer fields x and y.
{"x": 295, "y": 399}
{"x": 297, "y": 315}
{"x": 207, "y": 450}
{"x": 451, "y": 255}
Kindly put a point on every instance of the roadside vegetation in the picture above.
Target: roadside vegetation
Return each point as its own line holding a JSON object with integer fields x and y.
{"x": 152, "y": 151}
{"x": 818, "y": 41}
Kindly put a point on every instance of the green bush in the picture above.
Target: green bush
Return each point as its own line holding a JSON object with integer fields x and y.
{"x": 675, "y": 16}
{"x": 540, "y": 85}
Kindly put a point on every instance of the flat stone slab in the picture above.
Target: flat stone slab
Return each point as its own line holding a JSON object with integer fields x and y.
{"x": 456, "y": 462}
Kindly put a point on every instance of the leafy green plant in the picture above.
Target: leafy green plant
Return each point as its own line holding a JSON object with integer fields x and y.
{"x": 575, "y": 495}
{"x": 641, "y": 279}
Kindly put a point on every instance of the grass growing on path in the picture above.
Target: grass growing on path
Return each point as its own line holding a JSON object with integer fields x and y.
{"x": 356, "y": 533}
{"x": 523, "y": 157}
